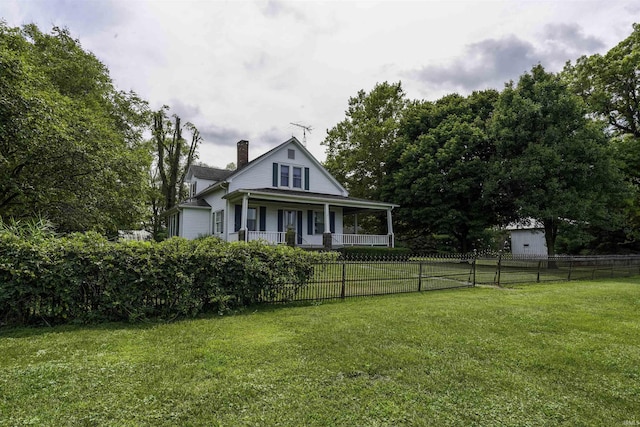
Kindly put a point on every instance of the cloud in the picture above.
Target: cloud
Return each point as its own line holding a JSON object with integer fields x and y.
{"x": 572, "y": 36}
{"x": 271, "y": 138}
{"x": 563, "y": 42}
{"x": 492, "y": 62}
{"x": 84, "y": 18}
{"x": 186, "y": 112}
{"x": 275, "y": 9}
{"x": 221, "y": 136}
{"x": 488, "y": 63}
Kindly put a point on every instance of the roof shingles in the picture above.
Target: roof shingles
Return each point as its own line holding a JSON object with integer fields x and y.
{"x": 210, "y": 174}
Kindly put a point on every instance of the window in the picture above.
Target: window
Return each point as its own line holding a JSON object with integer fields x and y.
{"x": 297, "y": 177}
{"x": 290, "y": 176}
{"x": 218, "y": 221}
{"x": 284, "y": 175}
{"x": 318, "y": 222}
{"x": 291, "y": 153}
{"x": 252, "y": 219}
{"x": 174, "y": 225}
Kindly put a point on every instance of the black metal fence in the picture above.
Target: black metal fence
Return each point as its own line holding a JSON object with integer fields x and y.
{"x": 364, "y": 276}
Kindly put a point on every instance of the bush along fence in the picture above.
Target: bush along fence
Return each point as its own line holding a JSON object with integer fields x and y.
{"x": 84, "y": 278}
{"x": 362, "y": 275}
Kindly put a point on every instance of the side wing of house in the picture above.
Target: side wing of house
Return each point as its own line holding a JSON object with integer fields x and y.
{"x": 199, "y": 178}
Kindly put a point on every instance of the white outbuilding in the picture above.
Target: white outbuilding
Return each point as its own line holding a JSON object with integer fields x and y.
{"x": 527, "y": 238}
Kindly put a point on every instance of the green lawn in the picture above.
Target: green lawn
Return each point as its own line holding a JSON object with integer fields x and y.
{"x": 548, "y": 354}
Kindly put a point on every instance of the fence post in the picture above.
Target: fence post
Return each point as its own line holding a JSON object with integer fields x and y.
{"x": 344, "y": 280}
{"x": 570, "y": 268}
{"x": 499, "y": 267}
{"x": 475, "y": 258}
{"x": 420, "y": 277}
{"x": 539, "y": 266}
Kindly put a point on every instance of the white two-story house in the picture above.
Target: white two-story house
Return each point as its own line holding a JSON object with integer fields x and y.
{"x": 284, "y": 189}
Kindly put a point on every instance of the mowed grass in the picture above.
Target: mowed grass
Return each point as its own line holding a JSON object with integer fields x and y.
{"x": 548, "y": 354}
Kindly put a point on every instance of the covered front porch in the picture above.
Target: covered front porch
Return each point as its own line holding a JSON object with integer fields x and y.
{"x": 302, "y": 219}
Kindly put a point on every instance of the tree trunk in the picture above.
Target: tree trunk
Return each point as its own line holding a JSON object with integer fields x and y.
{"x": 550, "y": 234}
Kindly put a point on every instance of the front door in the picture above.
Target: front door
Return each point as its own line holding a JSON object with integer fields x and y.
{"x": 290, "y": 220}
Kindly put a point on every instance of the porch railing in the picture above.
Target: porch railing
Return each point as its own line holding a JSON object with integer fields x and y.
{"x": 361, "y": 239}
{"x": 272, "y": 237}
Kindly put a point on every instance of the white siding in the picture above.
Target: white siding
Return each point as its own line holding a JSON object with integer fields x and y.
{"x": 201, "y": 184}
{"x": 528, "y": 242}
{"x": 217, "y": 204}
{"x": 195, "y": 223}
{"x": 260, "y": 174}
{"x": 215, "y": 200}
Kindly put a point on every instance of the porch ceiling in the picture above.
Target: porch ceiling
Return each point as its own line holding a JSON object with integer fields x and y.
{"x": 350, "y": 204}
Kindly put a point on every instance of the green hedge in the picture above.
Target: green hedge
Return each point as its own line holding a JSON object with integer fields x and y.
{"x": 373, "y": 251}
{"x": 85, "y": 278}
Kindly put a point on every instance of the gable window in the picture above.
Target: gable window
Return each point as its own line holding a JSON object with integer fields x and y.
{"x": 291, "y": 153}
{"x": 284, "y": 175}
{"x": 290, "y": 176}
{"x": 297, "y": 177}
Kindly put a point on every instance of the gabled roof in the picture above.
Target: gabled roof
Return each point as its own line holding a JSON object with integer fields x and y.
{"x": 258, "y": 159}
{"x": 210, "y": 174}
{"x": 525, "y": 224}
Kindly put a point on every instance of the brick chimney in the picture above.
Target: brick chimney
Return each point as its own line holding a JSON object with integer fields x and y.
{"x": 243, "y": 154}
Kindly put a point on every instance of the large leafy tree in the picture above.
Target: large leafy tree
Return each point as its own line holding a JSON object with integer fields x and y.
{"x": 357, "y": 146}
{"x": 438, "y": 166}
{"x": 610, "y": 86}
{"x": 70, "y": 143}
{"x": 552, "y": 162}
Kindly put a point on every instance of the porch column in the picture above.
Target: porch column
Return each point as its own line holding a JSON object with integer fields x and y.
{"x": 355, "y": 223}
{"x": 243, "y": 222}
{"x": 327, "y": 226}
{"x": 390, "y": 227}
{"x": 327, "y": 238}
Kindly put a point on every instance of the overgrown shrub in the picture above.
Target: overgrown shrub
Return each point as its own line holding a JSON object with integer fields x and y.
{"x": 85, "y": 278}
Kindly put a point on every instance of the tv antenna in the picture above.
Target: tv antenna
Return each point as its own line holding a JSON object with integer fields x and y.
{"x": 305, "y": 129}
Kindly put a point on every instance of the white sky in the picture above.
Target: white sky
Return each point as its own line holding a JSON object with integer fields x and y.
{"x": 245, "y": 70}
